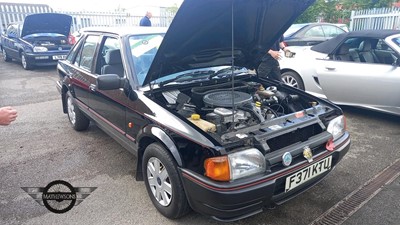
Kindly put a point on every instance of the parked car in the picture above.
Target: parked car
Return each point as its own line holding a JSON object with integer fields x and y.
{"x": 359, "y": 68}
{"x": 306, "y": 34}
{"x": 207, "y": 132}
{"x": 42, "y": 39}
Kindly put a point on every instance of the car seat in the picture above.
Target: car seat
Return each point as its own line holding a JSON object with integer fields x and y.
{"x": 113, "y": 62}
{"x": 367, "y": 53}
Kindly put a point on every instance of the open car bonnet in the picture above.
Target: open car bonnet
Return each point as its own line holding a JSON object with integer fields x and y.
{"x": 201, "y": 34}
{"x": 47, "y": 23}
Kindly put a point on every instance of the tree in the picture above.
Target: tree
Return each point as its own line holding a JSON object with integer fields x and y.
{"x": 335, "y": 10}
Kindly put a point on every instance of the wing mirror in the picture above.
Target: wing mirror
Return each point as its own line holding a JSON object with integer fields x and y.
{"x": 113, "y": 81}
{"x": 395, "y": 60}
{"x": 109, "y": 82}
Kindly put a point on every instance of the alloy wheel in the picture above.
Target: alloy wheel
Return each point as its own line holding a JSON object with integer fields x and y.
{"x": 290, "y": 81}
{"x": 159, "y": 181}
{"x": 71, "y": 110}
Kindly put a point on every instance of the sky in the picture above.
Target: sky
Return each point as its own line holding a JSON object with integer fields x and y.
{"x": 98, "y": 5}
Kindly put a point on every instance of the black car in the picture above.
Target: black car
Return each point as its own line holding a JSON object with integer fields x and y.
{"x": 207, "y": 132}
{"x": 304, "y": 34}
{"x": 41, "y": 40}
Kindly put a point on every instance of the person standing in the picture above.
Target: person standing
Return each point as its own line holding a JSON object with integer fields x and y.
{"x": 7, "y": 115}
{"x": 269, "y": 66}
{"x": 145, "y": 21}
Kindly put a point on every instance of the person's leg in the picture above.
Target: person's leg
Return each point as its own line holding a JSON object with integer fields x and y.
{"x": 264, "y": 69}
{"x": 275, "y": 71}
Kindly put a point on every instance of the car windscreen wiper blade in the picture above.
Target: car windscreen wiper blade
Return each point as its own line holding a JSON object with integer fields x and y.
{"x": 186, "y": 77}
{"x": 226, "y": 72}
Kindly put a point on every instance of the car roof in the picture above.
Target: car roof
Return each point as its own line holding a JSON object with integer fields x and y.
{"x": 329, "y": 46}
{"x": 123, "y": 31}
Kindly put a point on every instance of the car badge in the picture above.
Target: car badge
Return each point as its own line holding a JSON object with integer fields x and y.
{"x": 287, "y": 159}
{"x": 60, "y": 48}
{"x": 307, "y": 153}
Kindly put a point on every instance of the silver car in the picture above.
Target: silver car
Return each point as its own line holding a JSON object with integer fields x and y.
{"x": 359, "y": 68}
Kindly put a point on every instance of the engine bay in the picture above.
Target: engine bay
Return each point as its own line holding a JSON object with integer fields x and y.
{"x": 223, "y": 108}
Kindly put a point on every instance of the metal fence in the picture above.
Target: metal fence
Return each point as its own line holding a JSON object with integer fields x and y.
{"x": 14, "y": 12}
{"x": 382, "y": 18}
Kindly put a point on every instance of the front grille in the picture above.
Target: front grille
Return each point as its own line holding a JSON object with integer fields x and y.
{"x": 299, "y": 135}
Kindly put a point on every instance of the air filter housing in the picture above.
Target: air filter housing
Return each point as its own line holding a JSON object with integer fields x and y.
{"x": 224, "y": 99}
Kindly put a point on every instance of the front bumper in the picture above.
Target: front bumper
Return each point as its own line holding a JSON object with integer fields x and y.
{"x": 46, "y": 58}
{"x": 244, "y": 198}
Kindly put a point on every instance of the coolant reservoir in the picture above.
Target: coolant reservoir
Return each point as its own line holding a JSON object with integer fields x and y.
{"x": 202, "y": 124}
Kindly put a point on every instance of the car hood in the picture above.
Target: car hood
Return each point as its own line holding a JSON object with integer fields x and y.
{"x": 46, "y": 23}
{"x": 201, "y": 33}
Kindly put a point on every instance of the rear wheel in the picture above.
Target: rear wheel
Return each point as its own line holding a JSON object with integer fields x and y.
{"x": 292, "y": 79}
{"x": 5, "y": 56}
{"x": 77, "y": 119}
{"x": 25, "y": 63}
{"x": 163, "y": 183}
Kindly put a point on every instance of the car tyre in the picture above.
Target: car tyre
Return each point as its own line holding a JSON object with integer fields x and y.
{"x": 163, "y": 183}
{"x": 5, "y": 56}
{"x": 77, "y": 119}
{"x": 292, "y": 79}
{"x": 25, "y": 63}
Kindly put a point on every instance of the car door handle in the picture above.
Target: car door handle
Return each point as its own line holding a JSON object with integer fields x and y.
{"x": 92, "y": 87}
{"x": 330, "y": 68}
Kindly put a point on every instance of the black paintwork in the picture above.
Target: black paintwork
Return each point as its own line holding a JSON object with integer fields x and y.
{"x": 136, "y": 116}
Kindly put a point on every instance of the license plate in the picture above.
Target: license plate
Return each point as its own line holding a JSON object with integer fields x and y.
{"x": 57, "y": 57}
{"x": 308, "y": 173}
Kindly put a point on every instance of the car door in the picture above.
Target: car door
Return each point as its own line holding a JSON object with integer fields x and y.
{"x": 374, "y": 85}
{"x": 108, "y": 106}
{"x": 10, "y": 42}
{"x": 82, "y": 67}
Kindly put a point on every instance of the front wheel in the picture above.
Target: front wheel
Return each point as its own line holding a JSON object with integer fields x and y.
{"x": 292, "y": 79}
{"x": 163, "y": 183}
{"x": 5, "y": 56}
{"x": 25, "y": 63}
{"x": 77, "y": 119}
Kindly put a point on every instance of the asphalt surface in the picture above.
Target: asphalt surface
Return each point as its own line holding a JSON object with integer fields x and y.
{"x": 40, "y": 147}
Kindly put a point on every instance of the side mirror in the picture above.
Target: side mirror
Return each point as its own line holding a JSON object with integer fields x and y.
{"x": 12, "y": 35}
{"x": 109, "y": 82}
{"x": 395, "y": 61}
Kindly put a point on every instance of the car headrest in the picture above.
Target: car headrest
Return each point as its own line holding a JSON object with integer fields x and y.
{"x": 113, "y": 57}
{"x": 365, "y": 46}
{"x": 344, "y": 49}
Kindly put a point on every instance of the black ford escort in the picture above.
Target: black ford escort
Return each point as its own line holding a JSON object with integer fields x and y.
{"x": 208, "y": 133}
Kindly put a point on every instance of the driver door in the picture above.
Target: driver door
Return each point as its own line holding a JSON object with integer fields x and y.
{"x": 361, "y": 84}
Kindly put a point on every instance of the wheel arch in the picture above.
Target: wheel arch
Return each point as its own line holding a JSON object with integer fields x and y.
{"x": 153, "y": 134}
{"x": 285, "y": 70}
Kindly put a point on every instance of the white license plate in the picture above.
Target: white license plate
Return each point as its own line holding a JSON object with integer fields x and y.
{"x": 57, "y": 57}
{"x": 308, "y": 173}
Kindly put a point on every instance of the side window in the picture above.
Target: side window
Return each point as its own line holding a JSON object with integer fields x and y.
{"x": 109, "y": 59}
{"x": 12, "y": 31}
{"x": 315, "y": 32}
{"x": 384, "y": 53}
{"x": 331, "y": 31}
{"x": 85, "y": 57}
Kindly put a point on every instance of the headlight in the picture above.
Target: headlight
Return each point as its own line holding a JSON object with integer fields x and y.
{"x": 236, "y": 165}
{"x": 40, "y": 49}
{"x": 337, "y": 127}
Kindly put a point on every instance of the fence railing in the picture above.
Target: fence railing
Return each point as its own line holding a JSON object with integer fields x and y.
{"x": 382, "y": 18}
{"x": 14, "y": 12}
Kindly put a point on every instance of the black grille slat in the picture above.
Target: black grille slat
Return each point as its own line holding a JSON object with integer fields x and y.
{"x": 299, "y": 135}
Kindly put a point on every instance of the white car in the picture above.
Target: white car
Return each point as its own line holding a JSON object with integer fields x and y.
{"x": 359, "y": 68}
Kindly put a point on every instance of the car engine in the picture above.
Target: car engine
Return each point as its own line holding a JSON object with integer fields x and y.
{"x": 219, "y": 108}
